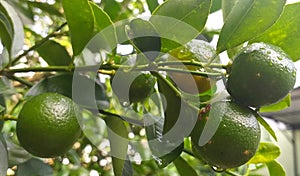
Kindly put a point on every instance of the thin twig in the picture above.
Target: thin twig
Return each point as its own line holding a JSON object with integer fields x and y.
{"x": 38, "y": 44}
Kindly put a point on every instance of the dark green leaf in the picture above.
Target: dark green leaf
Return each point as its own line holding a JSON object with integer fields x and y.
{"x": 118, "y": 139}
{"x": 152, "y": 4}
{"x": 184, "y": 168}
{"x": 284, "y": 103}
{"x": 285, "y": 32}
{"x": 45, "y": 7}
{"x": 267, "y": 152}
{"x": 266, "y": 126}
{"x": 3, "y": 156}
{"x": 84, "y": 91}
{"x": 104, "y": 28}
{"x": 2, "y": 110}
{"x": 227, "y": 7}
{"x": 163, "y": 150}
{"x": 54, "y": 54}
{"x": 113, "y": 9}
{"x": 247, "y": 20}
{"x": 275, "y": 169}
{"x": 178, "y": 27}
{"x": 6, "y": 33}
{"x": 80, "y": 19}
{"x": 145, "y": 38}
{"x": 34, "y": 167}
{"x": 216, "y": 5}
{"x": 17, "y": 28}
{"x": 180, "y": 117}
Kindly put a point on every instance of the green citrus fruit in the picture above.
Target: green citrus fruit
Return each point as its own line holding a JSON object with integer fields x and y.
{"x": 261, "y": 74}
{"x": 199, "y": 51}
{"x": 141, "y": 88}
{"x": 47, "y": 125}
{"x": 226, "y": 136}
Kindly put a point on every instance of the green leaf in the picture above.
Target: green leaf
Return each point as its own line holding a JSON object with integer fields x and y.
{"x": 178, "y": 27}
{"x": 104, "y": 29}
{"x": 266, "y": 126}
{"x": 34, "y": 167}
{"x": 275, "y": 169}
{"x": 184, "y": 168}
{"x": 80, "y": 19}
{"x": 16, "y": 154}
{"x": 227, "y": 7}
{"x": 4, "y": 58}
{"x": 113, "y": 9}
{"x": 216, "y": 5}
{"x": 84, "y": 91}
{"x": 3, "y": 156}
{"x": 118, "y": 139}
{"x": 247, "y": 20}
{"x": 180, "y": 117}
{"x": 6, "y": 33}
{"x": 152, "y": 4}
{"x": 45, "y": 7}
{"x": 163, "y": 151}
{"x": 17, "y": 32}
{"x": 5, "y": 86}
{"x": 54, "y": 54}
{"x": 145, "y": 38}
{"x": 267, "y": 152}
{"x": 285, "y": 32}
{"x": 284, "y": 103}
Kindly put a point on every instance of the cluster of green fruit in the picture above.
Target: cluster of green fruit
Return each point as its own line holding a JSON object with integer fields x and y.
{"x": 227, "y": 133}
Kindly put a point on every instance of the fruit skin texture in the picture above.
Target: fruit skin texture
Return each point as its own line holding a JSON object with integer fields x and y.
{"x": 47, "y": 125}
{"x": 235, "y": 140}
{"x": 261, "y": 74}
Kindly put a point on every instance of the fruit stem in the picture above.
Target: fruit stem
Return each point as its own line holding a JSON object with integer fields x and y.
{"x": 209, "y": 62}
{"x": 9, "y": 117}
{"x": 204, "y": 74}
{"x": 192, "y": 63}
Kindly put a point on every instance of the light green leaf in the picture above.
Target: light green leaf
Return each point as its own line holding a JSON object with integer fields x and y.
{"x": 34, "y": 167}
{"x": 118, "y": 139}
{"x": 275, "y": 169}
{"x": 285, "y": 32}
{"x": 4, "y": 58}
{"x": 267, "y": 152}
{"x": 104, "y": 29}
{"x": 284, "y": 103}
{"x": 227, "y": 7}
{"x": 184, "y": 168}
{"x": 3, "y": 156}
{"x": 17, "y": 34}
{"x": 80, "y": 20}
{"x": 54, "y": 53}
{"x": 248, "y": 19}
{"x": 266, "y": 126}
{"x": 178, "y": 27}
